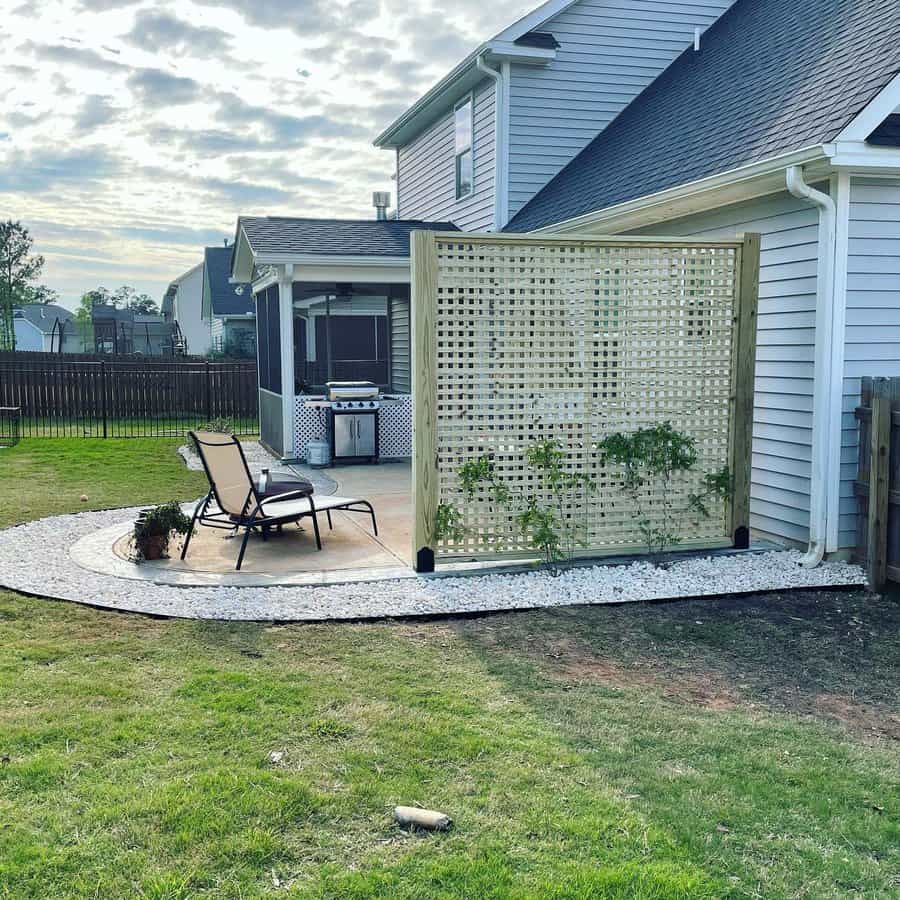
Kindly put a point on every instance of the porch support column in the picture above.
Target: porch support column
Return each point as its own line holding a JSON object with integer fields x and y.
{"x": 286, "y": 321}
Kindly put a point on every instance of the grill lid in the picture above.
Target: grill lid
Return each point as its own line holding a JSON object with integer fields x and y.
{"x": 351, "y": 390}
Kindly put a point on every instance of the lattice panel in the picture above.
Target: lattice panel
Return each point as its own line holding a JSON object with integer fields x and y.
{"x": 573, "y": 342}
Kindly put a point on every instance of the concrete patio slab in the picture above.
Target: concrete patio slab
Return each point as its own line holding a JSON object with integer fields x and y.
{"x": 350, "y": 550}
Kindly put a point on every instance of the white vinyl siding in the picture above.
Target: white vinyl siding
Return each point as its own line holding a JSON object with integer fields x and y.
{"x": 610, "y": 50}
{"x": 782, "y": 418}
{"x": 188, "y": 312}
{"x": 872, "y": 345}
{"x": 29, "y": 338}
{"x": 217, "y": 334}
{"x": 400, "y": 340}
{"x": 426, "y": 182}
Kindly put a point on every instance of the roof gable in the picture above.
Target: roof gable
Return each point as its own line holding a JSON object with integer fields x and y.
{"x": 534, "y": 20}
{"x": 43, "y": 316}
{"x": 225, "y": 298}
{"x": 516, "y": 42}
{"x": 770, "y": 78}
{"x": 887, "y": 134}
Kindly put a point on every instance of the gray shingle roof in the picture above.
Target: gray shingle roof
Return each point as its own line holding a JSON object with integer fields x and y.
{"x": 771, "y": 77}
{"x": 43, "y": 315}
{"x": 225, "y": 299}
{"x": 334, "y": 237}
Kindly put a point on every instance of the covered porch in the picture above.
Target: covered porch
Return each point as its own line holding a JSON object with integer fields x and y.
{"x": 332, "y": 305}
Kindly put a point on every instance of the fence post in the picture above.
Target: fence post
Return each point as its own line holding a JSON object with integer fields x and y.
{"x": 743, "y": 378}
{"x": 103, "y": 393}
{"x": 424, "y": 278}
{"x": 879, "y": 477}
{"x": 209, "y": 415}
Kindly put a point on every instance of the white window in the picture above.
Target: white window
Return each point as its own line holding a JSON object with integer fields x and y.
{"x": 465, "y": 165}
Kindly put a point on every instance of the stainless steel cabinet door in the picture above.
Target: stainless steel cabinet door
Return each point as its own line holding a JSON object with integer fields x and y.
{"x": 365, "y": 435}
{"x": 345, "y": 436}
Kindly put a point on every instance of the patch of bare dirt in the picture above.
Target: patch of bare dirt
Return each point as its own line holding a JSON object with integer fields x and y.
{"x": 857, "y": 717}
{"x": 706, "y": 689}
{"x": 832, "y": 655}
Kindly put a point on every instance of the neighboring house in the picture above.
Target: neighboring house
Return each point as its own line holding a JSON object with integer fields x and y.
{"x": 227, "y": 309}
{"x": 46, "y": 328}
{"x": 183, "y": 306}
{"x": 124, "y": 332}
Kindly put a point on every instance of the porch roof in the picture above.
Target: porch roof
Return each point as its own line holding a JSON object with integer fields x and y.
{"x": 276, "y": 239}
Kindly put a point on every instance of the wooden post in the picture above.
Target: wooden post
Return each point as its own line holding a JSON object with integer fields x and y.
{"x": 743, "y": 378}
{"x": 879, "y": 474}
{"x": 288, "y": 390}
{"x": 423, "y": 364}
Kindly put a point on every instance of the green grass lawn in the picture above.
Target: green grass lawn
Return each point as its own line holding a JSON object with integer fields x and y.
{"x": 48, "y": 476}
{"x": 724, "y": 748}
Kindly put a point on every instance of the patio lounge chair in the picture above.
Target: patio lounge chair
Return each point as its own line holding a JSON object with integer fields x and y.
{"x": 236, "y": 501}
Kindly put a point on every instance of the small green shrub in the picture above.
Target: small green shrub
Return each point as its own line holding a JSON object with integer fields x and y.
{"x": 651, "y": 458}
{"x": 448, "y": 524}
{"x": 219, "y": 425}
{"x": 551, "y": 529}
{"x": 155, "y": 527}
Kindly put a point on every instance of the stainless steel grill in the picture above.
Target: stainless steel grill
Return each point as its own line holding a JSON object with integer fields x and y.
{"x": 353, "y": 423}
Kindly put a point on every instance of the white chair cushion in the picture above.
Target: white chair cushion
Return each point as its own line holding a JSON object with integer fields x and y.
{"x": 285, "y": 509}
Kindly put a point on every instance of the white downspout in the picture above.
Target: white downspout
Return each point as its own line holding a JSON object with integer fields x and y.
{"x": 499, "y": 138}
{"x": 823, "y": 373}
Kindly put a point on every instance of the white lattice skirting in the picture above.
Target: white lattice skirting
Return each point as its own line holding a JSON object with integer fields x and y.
{"x": 394, "y": 428}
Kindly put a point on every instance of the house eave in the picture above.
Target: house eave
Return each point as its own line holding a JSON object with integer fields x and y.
{"x": 242, "y": 257}
{"x": 177, "y": 281}
{"x": 321, "y": 259}
{"x": 744, "y": 183}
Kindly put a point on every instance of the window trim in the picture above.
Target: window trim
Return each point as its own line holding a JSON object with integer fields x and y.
{"x": 470, "y": 99}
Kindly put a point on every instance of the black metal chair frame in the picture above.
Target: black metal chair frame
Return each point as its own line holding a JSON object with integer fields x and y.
{"x": 255, "y": 503}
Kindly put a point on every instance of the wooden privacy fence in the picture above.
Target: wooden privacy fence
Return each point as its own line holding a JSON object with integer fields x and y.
{"x": 123, "y": 397}
{"x": 523, "y": 339}
{"x": 878, "y": 481}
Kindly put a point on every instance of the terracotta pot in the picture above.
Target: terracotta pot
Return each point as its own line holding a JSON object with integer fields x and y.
{"x": 154, "y": 546}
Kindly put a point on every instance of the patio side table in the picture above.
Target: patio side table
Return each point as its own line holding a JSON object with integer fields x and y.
{"x": 270, "y": 484}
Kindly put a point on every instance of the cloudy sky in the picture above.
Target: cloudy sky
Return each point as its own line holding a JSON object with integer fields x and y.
{"x": 133, "y": 132}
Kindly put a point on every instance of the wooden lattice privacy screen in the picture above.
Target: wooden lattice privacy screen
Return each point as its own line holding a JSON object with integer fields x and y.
{"x": 520, "y": 339}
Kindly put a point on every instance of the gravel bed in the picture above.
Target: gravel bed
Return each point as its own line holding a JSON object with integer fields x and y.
{"x": 258, "y": 458}
{"x": 34, "y": 559}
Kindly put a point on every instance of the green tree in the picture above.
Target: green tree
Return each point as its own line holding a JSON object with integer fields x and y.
{"x": 127, "y": 297}
{"x": 40, "y": 294}
{"x": 19, "y": 269}
{"x": 124, "y": 297}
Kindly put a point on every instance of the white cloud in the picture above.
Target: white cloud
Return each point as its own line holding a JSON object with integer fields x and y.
{"x": 134, "y": 132}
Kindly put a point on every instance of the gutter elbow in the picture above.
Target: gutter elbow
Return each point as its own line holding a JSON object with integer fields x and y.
{"x": 797, "y": 187}
{"x": 814, "y": 555}
{"x": 485, "y": 69}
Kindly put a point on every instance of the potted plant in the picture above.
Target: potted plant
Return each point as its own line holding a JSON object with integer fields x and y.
{"x": 154, "y": 528}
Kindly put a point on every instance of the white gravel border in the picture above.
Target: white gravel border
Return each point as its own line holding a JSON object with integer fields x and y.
{"x": 35, "y": 559}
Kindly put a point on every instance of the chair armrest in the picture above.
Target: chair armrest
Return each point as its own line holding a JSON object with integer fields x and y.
{"x": 288, "y": 495}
